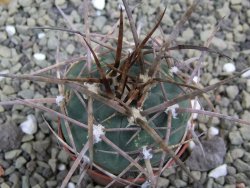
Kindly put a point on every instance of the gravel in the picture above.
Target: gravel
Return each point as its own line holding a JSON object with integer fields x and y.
{"x": 37, "y": 161}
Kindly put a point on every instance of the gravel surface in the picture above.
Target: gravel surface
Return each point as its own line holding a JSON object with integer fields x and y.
{"x": 38, "y": 161}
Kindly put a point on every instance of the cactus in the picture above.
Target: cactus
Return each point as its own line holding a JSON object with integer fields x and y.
{"x": 126, "y": 110}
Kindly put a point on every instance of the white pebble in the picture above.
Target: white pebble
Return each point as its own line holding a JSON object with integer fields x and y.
{"x": 71, "y": 185}
{"x": 191, "y": 145}
{"x": 3, "y": 72}
{"x": 229, "y": 67}
{"x": 61, "y": 167}
{"x": 39, "y": 56}
{"x": 212, "y": 131}
{"x": 246, "y": 74}
{"x": 196, "y": 79}
{"x": 218, "y": 172}
{"x": 10, "y": 29}
{"x": 41, "y": 35}
{"x": 98, "y": 4}
{"x": 30, "y": 125}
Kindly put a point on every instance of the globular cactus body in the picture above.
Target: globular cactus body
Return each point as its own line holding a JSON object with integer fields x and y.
{"x": 108, "y": 117}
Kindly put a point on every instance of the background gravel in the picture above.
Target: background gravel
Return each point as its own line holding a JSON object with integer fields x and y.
{"x": 38, "y": 161}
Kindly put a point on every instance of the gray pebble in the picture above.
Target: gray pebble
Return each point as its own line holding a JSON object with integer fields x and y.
{"x": 214, "y": 150}
{"x": 14, "y": 178}
{"x": 10, "y": 136}
{"x": 235, "y": 138}
{"x": 12, "y": 154}
{"x": 26, "y": 94}
{"x": 63, "y": 156}
{"x": 9, "y": 170}
{"x": 15, "y": 68}
{"x": 27, "y": 147}
{"x": 51, "y": 183}
{"x": 5, "y": 52}
{"x": 25, "y": 3}
{"x": 27, "y": 137}
{"x": 210, "y": 183}
{"x": 246, "y": 115}
{"x": 25, "y": 182}
{"x": 8, "y": 90}
{"x": 180, "y": 183}
{"x": 60, "y": 2}
{"x": 20, "y": 162}
{"x": 99, "y": 22}
{"x": 188, "y": 34}
{"x": 70, "y": 49}
{"x": 241, "y": 177}
{"x": 38, "y": 177}
{"x": 246, "y": 99}
{"x": 232, "y": 91}
{"x": 231, "y": 170}
{"x": 237, "y": 153}
{"x": 52, "y": 163}
{"x": 220, "y": 180}
{"x": 241, "y": 166}
{"x": 41, "y": 146}
{"x": 230, "y": 179}
{"x": 162, "y": 182}
{"x": 235, "y": 2}
{"x": 31, "y": 166}
{"x": 219, "y": 43}
{"x": 196, "y": 174}
{"x": 245, "y": 133}
{"x": 168, "y": 172}
{"x": 5, "y": 185}
{"x": 246, "y": 157}
{"x": 52, "y": 42}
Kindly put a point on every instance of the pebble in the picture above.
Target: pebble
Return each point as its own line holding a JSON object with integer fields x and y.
{"x": 41, "y": 35}
{"x": 212, "y": 131}
{"x": 39, "y": 56}
{"x": 26, "y": 94}
{"x": 246, "y": 74}
{"x": 229, "y": 67}
{"x": 25, "y": 3}
{"x": 70, "y": 48}
{"x": 8, "y": 90}
{"x": 10, "y": 29}
{"x": 10, "y": 136}
{"x": 245, "y": 99}
{"x": 219, "y": 43}
{"x": 71, "y": 185}
{"x": 99, "y": 22}
{"x": 235, "y": 138}
{"x": 246, "y": 157}
{"x": 5, "y": 185}
{"x": 52, "y": 163}
{"x": 41, "y": 146}
{"x": 98, "y": 4}
{"x": 218, "y": 172}
{"x": 63, "y": 156}
{"x": 188, "y": 34}
{"x": 237, "y": 153}
{"x": 12, "y": 154}
{"x": 241, "y": 166}
{"x": 232, "y": 91}
{"x": 30, "y": 125}
{"x": 20, "y": 161}
{"x": 180, "y": 183}
{"x": 60, "y": 2}
{"x": 235, "y": 2}
{"x": 5, "y": 52}
{"x": 245, "y": 133}
{"x": 25, "y": 182}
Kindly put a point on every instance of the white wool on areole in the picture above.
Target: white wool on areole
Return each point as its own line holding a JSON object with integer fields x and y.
{"x": 173, "y": 110}
{"x": 98, "y": 131}
{"x": 146, "y": 153}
